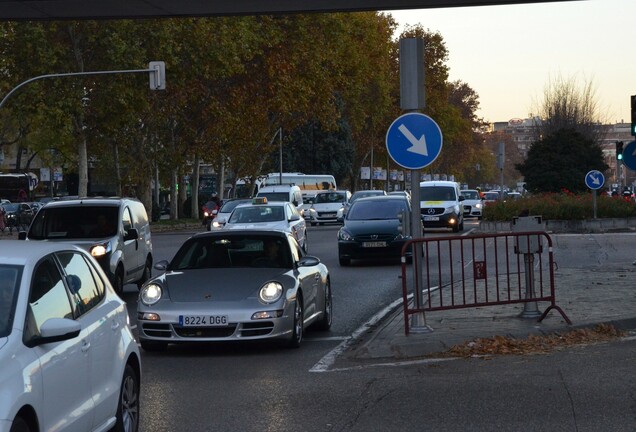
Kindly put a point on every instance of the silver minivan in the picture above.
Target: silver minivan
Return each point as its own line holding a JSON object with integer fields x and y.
{"x": 116, "y": 232}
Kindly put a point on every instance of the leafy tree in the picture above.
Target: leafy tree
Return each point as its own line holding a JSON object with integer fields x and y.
{"x": 561, "y": 161}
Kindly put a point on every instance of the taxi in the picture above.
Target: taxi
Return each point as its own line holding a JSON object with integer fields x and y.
{"x": 275, "y": 215}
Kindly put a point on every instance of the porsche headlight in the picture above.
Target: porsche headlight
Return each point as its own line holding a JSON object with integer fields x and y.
{"x": 150, "y": 294}
{"x": 270, "y": 292}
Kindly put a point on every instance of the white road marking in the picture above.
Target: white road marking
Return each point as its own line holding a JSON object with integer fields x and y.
{"x": 329, "y": 359}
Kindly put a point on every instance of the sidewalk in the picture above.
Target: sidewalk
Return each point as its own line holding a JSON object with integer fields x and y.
{"x": 588, "y": 298}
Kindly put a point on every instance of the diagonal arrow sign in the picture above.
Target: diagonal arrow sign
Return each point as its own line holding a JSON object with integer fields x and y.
{"x": 595, "y": 179}
{"x": 417, "y": 145}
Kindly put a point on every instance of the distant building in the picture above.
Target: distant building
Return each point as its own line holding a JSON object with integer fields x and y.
{"x": 522, "y": 133}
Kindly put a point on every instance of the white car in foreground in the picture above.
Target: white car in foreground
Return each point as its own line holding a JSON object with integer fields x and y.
{"x": 69, "y": 359}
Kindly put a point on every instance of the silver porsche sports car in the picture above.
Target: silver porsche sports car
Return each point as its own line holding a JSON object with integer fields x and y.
{"x": 235, "y": 285}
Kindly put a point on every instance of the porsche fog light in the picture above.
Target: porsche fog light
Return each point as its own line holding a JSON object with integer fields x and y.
{"x": 270, "y": 292}
{"x": 150, "y": 294}
{"x": 267, "y": 314}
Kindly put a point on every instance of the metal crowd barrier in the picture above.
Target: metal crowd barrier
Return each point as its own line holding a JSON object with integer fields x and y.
{"x": 481, "y": 270}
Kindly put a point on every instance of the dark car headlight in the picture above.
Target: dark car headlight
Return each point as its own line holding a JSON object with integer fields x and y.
{"x": 150, "y": 294}
{"x": 345, "y": 235}
{"x": 270, "y": 292}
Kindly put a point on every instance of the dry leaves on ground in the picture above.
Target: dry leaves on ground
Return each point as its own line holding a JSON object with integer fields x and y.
{"x": 534, "y": 344}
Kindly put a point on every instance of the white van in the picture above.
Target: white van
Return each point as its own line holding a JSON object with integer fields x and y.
{"x": 441, "y": 205}
{"x": 116, "y": 232}
{"x": 289, "y": 193}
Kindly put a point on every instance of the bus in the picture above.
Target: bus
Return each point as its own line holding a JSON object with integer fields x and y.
{"x": 309, "y": 184}
{"x": 17, "y": 187}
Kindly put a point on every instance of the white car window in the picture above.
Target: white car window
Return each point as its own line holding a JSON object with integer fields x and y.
{"x": 85, "y": 289}
{"x": 48, "y": 298}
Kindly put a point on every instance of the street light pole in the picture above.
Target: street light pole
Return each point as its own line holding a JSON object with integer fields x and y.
{"x": 280, "y": 155}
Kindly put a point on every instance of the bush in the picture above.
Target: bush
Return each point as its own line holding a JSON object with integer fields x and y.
{"x": 561, "y": 206}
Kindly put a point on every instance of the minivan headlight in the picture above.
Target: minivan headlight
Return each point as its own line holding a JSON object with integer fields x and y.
{"x": 150, "y": 294}
{"x": 100, "y": 249}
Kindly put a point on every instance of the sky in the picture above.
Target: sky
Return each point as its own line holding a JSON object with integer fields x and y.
{"x": 508, "y": 54}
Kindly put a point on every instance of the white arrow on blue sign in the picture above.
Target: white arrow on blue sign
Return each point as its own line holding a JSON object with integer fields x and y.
{"x": 629, "y": 155}
{"x": 594, "y": 179}
{"x": 414, "y": 140}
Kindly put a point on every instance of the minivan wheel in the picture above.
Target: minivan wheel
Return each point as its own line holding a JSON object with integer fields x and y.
{"x": 19, "y": 425}
{"x": 146, "y": 274}
{"x": 118, "y": 280}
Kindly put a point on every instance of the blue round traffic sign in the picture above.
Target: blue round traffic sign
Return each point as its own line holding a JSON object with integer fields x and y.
{"x": 629, "y": 155}
{"x": 594, "y": 179}
{"x": 414, "y": 140}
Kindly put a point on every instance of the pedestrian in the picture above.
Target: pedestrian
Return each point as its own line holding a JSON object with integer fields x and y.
{"x": 3, "y": 223}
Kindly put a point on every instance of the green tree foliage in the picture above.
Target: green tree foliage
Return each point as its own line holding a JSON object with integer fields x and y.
{"x": 453, "y": 106}
{"x": 330, "y": 81}
{"x": 561, "y": 161}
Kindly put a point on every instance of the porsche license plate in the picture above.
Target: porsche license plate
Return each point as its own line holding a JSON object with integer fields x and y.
{"x": 202, "y": 320}
{"x": 374, "y": 244}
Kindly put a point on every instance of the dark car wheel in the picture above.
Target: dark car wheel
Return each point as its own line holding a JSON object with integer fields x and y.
{"x": 128, "y": 408}
{"x": 327, "y": 313}
{"x": 297, "y": 333}
{"x": 146, "y": 274}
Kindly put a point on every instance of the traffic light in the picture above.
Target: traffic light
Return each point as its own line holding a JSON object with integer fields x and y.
{"x": 619, "y": 150}
{"x": 633, "y": 115}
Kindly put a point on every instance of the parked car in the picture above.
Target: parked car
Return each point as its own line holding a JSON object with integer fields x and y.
{"x": 17, "y": 216}
{"x": 491, "y": 197}
{"x": 441, "y": 205}
{"x": 116, "y": 231}
{"x": 473, "y": 204}
{"x": 69, "y": 359}
{"x": 262, "y": 214}
{"x": 371, "y": 229}
{"x": 229, "y": 285}
{"x": 326, "y": 206}
{"x": 225, "y": 211}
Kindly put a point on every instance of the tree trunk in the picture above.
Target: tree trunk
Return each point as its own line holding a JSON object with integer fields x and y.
{"x": 194, "y": 182}
{"x": 82, "y": 166}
